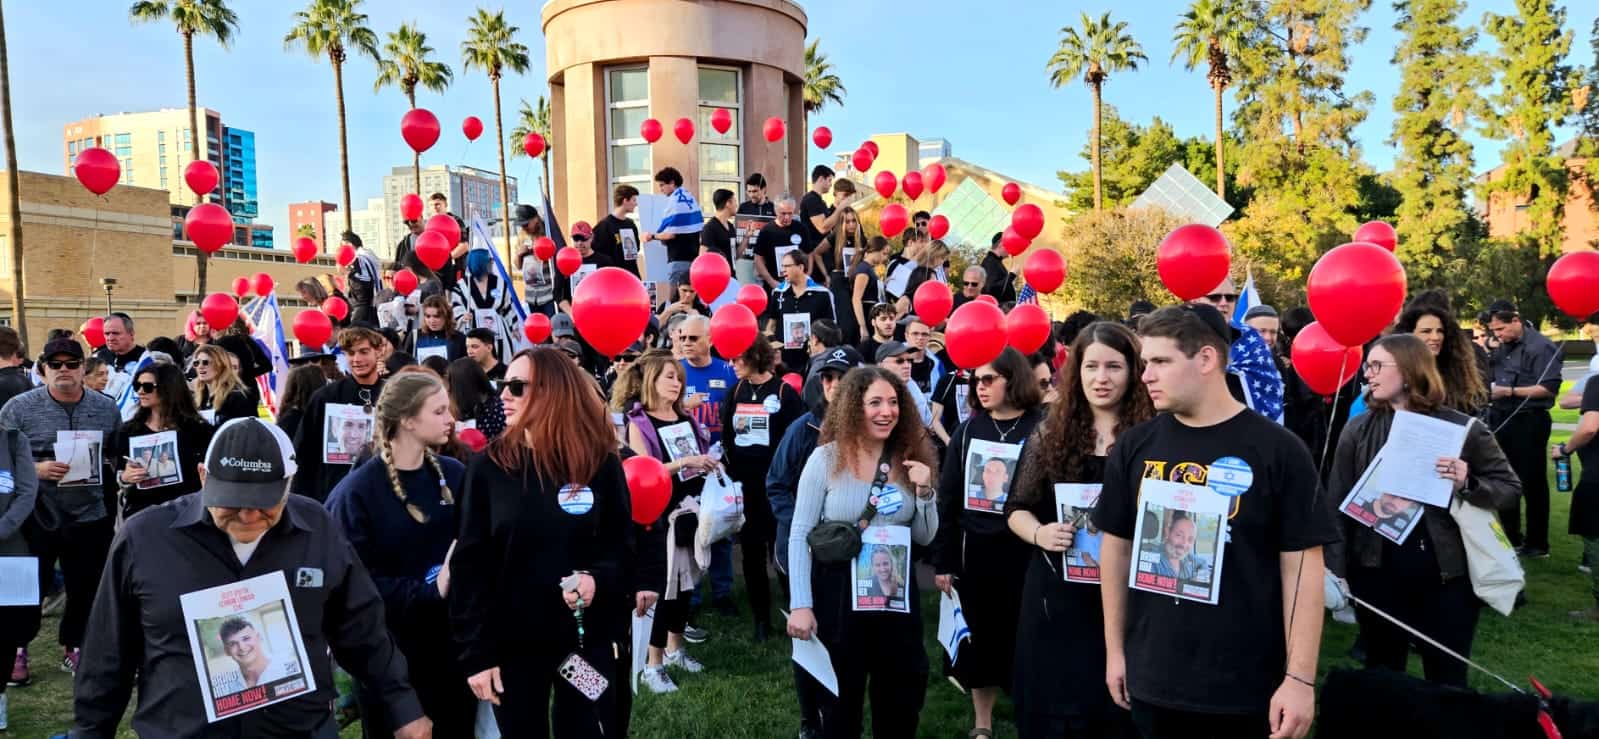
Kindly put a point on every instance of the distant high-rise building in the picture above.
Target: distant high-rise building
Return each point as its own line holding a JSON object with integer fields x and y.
{"x": 472, "y": 192}
{"x": 238, "y": 177}
{"x": 312, "y": 214}
{"x": 369, "y": 223}
{"x": 933, "y": 149}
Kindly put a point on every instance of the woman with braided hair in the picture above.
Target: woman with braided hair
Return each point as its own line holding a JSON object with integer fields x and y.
{"x": 398, "y": 511}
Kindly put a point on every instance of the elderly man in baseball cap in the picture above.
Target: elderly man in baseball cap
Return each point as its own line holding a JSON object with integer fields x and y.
{"x": 243, "y": 524}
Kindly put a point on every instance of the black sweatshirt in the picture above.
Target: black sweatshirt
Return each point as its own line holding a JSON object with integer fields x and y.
{"x": 954, "y": 519}
{"x": 315, "y": 479}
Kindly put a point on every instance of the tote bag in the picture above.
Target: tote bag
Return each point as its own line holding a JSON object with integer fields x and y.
{"x": 1496, "y": 574}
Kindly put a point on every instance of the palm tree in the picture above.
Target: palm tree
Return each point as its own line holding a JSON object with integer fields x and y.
{"x": 334, "y": 27}
{"x": 405, "y": 63}
{"x": 491, "y": 46}
{"x": 1212, "y": 31}
{"x": 192, "y": 18}
{"x": 821, "y": 85}
{"x": 1098, "y": 49}
{"x": 531, "y": 119}
{"x": 14, "y": 201}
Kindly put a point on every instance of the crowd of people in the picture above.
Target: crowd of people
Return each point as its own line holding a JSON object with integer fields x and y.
{"x": 445, "y": 512}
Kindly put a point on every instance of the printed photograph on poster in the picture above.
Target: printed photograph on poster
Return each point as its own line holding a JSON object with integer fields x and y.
{"x": 247, "y": 647}
{"x": 751, "y": 425}
{"x": 679, "y": 441}
{"x": 796, "y": 330}
{"x": 1393, "y": 517}
{"x": 990, "y": 465}
{"x": 629, "y": 244}
{"x": 649, "y": 289}
{"x": 158, "y": 455}
{"x": 582, "y": 272}
{"x": 346, "y": 431}
{"x": 82, "y": 451}
{"x": 883, "y": 569}
{"x": 750, "y": 226}
{"x": 1179, "y": 541}
{"x": 1073, "y": 503}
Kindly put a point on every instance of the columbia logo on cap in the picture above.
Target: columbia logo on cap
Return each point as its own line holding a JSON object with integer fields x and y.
{"x": 246, "y": 465}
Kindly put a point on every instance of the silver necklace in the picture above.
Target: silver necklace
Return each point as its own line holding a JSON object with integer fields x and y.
{"x": 1003, "y": 433}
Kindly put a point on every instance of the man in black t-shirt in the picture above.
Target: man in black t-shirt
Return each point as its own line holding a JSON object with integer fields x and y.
{"x": 755, "y": 201}
{"x": 1202, "y": 653}
{"x": 778, "y": 237}
{"x": 718, "y": 233}
{"x": 998, "y": 280}
{"x": 1583, "y": 444}
{"x": 816, "y": 217}
{"x": 616, "y": 236}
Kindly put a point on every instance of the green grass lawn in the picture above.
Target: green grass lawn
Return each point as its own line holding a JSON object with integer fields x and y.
{"x": 1564, "y": 415}
{"x": 746, "y": 690}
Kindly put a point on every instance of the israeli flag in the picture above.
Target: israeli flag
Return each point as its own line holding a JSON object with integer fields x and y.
{"x": 480, "y": 240}
{"x": 683, "y": 215}
{"x": 1247, "y": 299}
{"x": 268, "y": 321}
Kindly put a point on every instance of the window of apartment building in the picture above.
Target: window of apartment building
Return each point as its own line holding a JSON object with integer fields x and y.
{"x": 627, "y": 98}
{"x": 72, "y": 149}
{"x": 719, "y": 152}
{"x": 124, "y": 152}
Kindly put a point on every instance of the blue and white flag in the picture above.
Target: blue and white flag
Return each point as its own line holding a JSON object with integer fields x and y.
{"x": 268, "y": 321}
{"x": 127, "y": 397}
{"x": 1247, "y": 299}
{"x": 683, "y": 215}
{"x": 480, "y": 240}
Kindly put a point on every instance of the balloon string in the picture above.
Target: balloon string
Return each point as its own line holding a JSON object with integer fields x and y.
{"x": 1315, "y": 500}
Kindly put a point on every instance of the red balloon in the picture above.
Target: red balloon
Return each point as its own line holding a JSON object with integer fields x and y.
{"x": 989, "y": 299}
{"x": 683, "y": 129}
{"x": 1028, "y": 220}
{"x": 1323, "y": 363}
{"x": 752, "y": 297}
{"x": 472, "y": 438}
{"x": 1379, "y": 233}
{"x": 345, "y": 255}
{"x": 533, "y": 144}
{"x": 1193, "y": 260}
{"x": 934, "y": 175}
{"x": 313, "y": 328}
{"x": 472, "y": 127}
{"x": 911, "y": 183}
{"x": 893, "y": 220}
{"x": 432, "y": 249}
{"x": 932, "y": 302}
{"x": 938, "y": 225}
{"x": 1045, "y": 270}
{"x": 871, "y": 146}
{"x": 1027, "y": 327}
{"x": 200, "y": 176}
{"x": 93, "y": 331}
{"x": 733, "y": 329}
{"x": 241, "y": 286}
{"x": 1573, "y": 284}
{"x": 410, "y": 206}
{"x": 886, "y": 183}
{"x": 861, "y": 159}
{"x": 336, "y": 308}
{"x": 97, "y": 169}
{"x": 822, "y": 137}
{"x": 794, "y": 381}
{"x": 420, "y": 129}
{"x": 263, "y": 284}
{"x": 304, "y": 249}
{"x": 219, "y": 309}
{"x": 610, "y": 309}
{"x": 405, "y": 282}
{"x": 543, "y": 248}
{"x": 1356, "y": 290}
{"x": 568, "y": 261}
{"x": 537, "y": 327}
{"x": 1011, "y": 192}
{"x": 445, "y": 225}
{"x": 209, "y": 226}
{"x": 650, "y": 130}
{"x": 975, "y": 334}
{"x": 1013, "y": 242}
{"x": 721, "y": 120}
{"x": 649, "y": 485}
{"x": 709, "y": 274}
{"x": 773, "y": 129}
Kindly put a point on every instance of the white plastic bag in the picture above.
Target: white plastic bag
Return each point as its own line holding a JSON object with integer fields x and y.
{"x": 721, "y": 507}
{"x": 1496, "y": 574}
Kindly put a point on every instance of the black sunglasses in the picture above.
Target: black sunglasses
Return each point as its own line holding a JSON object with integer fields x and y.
{"x": 627, "y": 358}
{"x": 144, "y": 387}
{"x": 202, "y": 363}
{"x": 986, "y": 380}
{"x": 1219, "y": 297}
{"x": 974, "y": 284}
{"x": 70, "y": 364}
{"x": 515, "y": 387}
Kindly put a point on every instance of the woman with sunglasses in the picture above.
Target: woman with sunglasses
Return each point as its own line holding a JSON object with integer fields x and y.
{"x": 1422, "y": 580}
{"x": 218, "y": 392}
{"x": 874, "y": 463}
{"x": 973, "y": 552}
{"x": 540, "y": 573}
{"x": 1059, "y": 679}
{"x": 164, "y": 405}
{"x": 436, "y": 336}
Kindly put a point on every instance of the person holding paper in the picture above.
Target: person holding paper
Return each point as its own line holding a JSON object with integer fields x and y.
{"x": 795, "y": 304}
{"x": 1058, "y": 684}
{"x": 437, "y": 336}
{"x": 1423, "y": 581}
{"x": 781, "y": 236}
{"x": 360, "y": 390}
{"x": 164, "y": 405}
{"x": 1206, "y": 443}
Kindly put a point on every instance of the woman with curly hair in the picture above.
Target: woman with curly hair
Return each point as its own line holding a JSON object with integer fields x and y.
{"x": 875, "y": 467}
{"x": 1462, "y": 364}
{"x": 1058, "y": 682}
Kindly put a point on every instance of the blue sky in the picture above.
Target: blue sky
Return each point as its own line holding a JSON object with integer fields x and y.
{"x": 971, "y": 72}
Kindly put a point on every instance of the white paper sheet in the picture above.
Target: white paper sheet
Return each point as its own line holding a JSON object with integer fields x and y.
{"x": 641, "y": 643}
{"x": 811, "y": 655}
{"x": 19, "y": 581}
{"x": 1410, "y": 470}
{"x": 82, "y": 451}
{"x": 1179, "y": 542}
{"x": 262, "y": 659}
{"x": 952, "y": 628}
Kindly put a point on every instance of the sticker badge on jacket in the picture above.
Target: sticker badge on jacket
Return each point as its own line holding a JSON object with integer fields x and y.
{"x": 576, "y": 499}
{"x": 8, "y": 484}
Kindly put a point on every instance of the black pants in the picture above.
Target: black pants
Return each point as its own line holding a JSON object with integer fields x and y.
{"x": 755, "y": 540}
{"x": 1525, "y": 440}
{"x": 440, "y": 688}
{"x": 1444, "y": 611}
{"x": 875, "y": 655}
{"x": 15, "y": 624}
{"x": 1154, "y": 722}
{"x": 81, "y": 548}
{"x": 525, "y": 706}
{"x": 670, "y": 617}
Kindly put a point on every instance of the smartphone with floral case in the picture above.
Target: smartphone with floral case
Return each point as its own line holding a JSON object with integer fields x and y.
{"x": 577, "y": 672}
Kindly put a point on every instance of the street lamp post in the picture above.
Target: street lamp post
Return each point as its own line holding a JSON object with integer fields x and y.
{"x": 109, "y": 283}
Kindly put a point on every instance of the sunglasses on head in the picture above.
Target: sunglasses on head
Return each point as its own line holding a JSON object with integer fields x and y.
{"x": 70, "y": 364}
{"x": 144, "y": 388}
{"x": 515, "y": 387}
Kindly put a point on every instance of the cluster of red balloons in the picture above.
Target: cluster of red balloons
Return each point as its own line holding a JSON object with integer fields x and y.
{"x": 721, "y": 120}
{"x": 260, "y": 284}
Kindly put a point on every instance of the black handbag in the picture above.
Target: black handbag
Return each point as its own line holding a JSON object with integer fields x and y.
{"x": 833, "y": 542}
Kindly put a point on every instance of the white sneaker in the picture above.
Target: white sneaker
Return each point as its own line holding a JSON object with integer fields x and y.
{"x": 682, "y": 661}
{"x": 656, "y": 679}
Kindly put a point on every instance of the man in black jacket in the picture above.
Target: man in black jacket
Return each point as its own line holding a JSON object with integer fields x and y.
{"x": 14, "y": 379}
{"x": 358, "y": 391}
{"x": 1000, "y": 282}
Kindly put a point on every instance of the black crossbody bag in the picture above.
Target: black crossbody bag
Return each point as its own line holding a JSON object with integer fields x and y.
{"x": 833, "y": 542}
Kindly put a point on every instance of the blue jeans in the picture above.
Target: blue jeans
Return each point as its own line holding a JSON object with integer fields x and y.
{"x": 677, "y": 274}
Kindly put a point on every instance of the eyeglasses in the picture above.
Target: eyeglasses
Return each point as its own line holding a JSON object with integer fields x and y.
{"x": 1046, "y": 383}
{"x": 974, "y": 284}
{"x": 516, "y": 387}
{"x": 144, "y": 388}
{"x": 202, "y": 363}
{"x": 689, "y": 338}
{"x": 1375, "y": 366}
{"x": 576, "y": 237}
{"x": 1220, "y": 297}
{"x": 986, "y": 380}
{"x": 57, "y": 364}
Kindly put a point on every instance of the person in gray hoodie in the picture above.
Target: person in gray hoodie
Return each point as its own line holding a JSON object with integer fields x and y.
{"x": 71, "y": 521}
{"x": 18, "y": 490}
